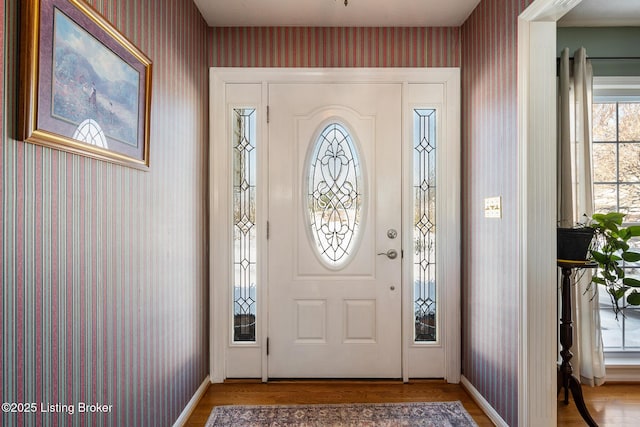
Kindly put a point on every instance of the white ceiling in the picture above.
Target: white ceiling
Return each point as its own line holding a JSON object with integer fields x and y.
{"x": 391, "y": 13}
{"x": 333, "y": 13}
{"x": 603, "y": 13}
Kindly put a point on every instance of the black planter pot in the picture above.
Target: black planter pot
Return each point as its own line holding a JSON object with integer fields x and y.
{"x": 573, "y": 243}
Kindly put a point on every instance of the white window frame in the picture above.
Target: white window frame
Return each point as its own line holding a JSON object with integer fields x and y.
{"x": 608, "y": 90}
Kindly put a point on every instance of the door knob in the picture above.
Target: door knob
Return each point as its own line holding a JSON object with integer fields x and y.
{"x": 391, "y": 254}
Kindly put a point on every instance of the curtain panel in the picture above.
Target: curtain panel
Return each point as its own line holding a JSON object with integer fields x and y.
{"x": 575, "y": 205}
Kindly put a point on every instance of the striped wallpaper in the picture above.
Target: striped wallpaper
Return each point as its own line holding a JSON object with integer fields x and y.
{"x": 490, "y": 259}
{"x": 2, "y": 103}
{"x": 104, "y": 268}
{"x": 485, "y": 48}
{"x": 334, "y": 47}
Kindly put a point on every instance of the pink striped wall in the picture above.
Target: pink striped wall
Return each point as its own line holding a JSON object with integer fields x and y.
{"x": 490, "y": 258}
{"x": 104, "y": 268}
{"x": 485, "y": 48}
{"x": 334, "y": 47}
{"x": 2, "y": 82}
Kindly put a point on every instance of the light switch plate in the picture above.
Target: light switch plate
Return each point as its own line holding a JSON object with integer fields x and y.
{"x": 493, "y": 207}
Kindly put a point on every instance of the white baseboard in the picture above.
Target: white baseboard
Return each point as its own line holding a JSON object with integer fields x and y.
{"x": 484, "y": 405}
{"x": 186, "y": 412}
{"x": 623, "y": 373}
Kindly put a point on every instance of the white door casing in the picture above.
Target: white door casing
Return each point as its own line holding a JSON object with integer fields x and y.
{"x": 230, "y": 359}
{"x": 537, "y": 344}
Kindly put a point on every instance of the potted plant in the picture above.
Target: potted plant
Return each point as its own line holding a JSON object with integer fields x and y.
{"x": 574, "y": 243}
{"x": 610, "y": 246}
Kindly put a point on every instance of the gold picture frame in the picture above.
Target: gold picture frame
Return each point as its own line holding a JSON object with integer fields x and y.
{"x": 84, "y": 88}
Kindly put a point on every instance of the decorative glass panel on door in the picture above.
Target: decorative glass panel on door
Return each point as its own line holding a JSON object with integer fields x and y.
{"x": 424, "y": 224}
{"x": 334, "y": 195}
{"x": 244, "y": 224}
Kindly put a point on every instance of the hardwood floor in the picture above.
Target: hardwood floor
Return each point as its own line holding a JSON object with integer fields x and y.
{"x": 613, "y": 404}
{"x": 309, "y": 392}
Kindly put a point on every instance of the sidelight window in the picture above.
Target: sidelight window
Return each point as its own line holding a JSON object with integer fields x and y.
{"x": 244, "y": 225}
{"x": 424, "y": 224}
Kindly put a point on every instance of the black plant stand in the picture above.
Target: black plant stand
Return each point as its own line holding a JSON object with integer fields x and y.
{"x": 566, "y": 378}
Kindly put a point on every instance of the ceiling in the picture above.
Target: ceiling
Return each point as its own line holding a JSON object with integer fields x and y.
{"x": 603, "y": 13}
{"x": 391, "y": 13}
{"x": 333, "y": 13}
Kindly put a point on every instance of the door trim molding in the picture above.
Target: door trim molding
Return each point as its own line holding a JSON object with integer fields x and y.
{"x": 219, "y": 256}
{"x": 537, "y": 344}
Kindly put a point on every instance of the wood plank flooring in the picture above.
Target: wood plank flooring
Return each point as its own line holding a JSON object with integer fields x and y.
{"x": 315, "y": 392}
{"x": 613, "y": 404}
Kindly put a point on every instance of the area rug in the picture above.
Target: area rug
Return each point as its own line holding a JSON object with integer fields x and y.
{"x": 440, "y": 414}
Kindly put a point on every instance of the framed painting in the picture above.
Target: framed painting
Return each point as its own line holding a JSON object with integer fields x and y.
{"x": 84, "y": 87}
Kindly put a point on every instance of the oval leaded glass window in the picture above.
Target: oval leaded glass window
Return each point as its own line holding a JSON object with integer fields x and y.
{"x": 334, "y": 195}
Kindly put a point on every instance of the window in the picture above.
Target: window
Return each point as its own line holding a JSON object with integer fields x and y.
{"x": 244, "y": 225}
{"x": 424, "y": 225}
{"x": 616, "y": 167}
{"x": 334, "y": 194}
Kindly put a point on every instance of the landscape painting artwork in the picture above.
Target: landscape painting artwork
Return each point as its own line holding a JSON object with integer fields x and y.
{"x": 92, "y": 82}
{"x": 84, "y": 88}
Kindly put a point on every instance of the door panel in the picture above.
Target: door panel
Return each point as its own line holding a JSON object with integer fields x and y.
{"x": 334, "y": 319}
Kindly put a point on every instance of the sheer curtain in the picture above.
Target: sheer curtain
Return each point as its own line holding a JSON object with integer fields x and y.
{"x": 575, "y": 200}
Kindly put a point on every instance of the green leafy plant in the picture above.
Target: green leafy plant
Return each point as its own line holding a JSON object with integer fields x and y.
{"x": 611, "y": 246}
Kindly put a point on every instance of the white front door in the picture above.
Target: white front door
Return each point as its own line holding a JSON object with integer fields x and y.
{"x": 335, "y": 210}
{"x": 315, "y": 175}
